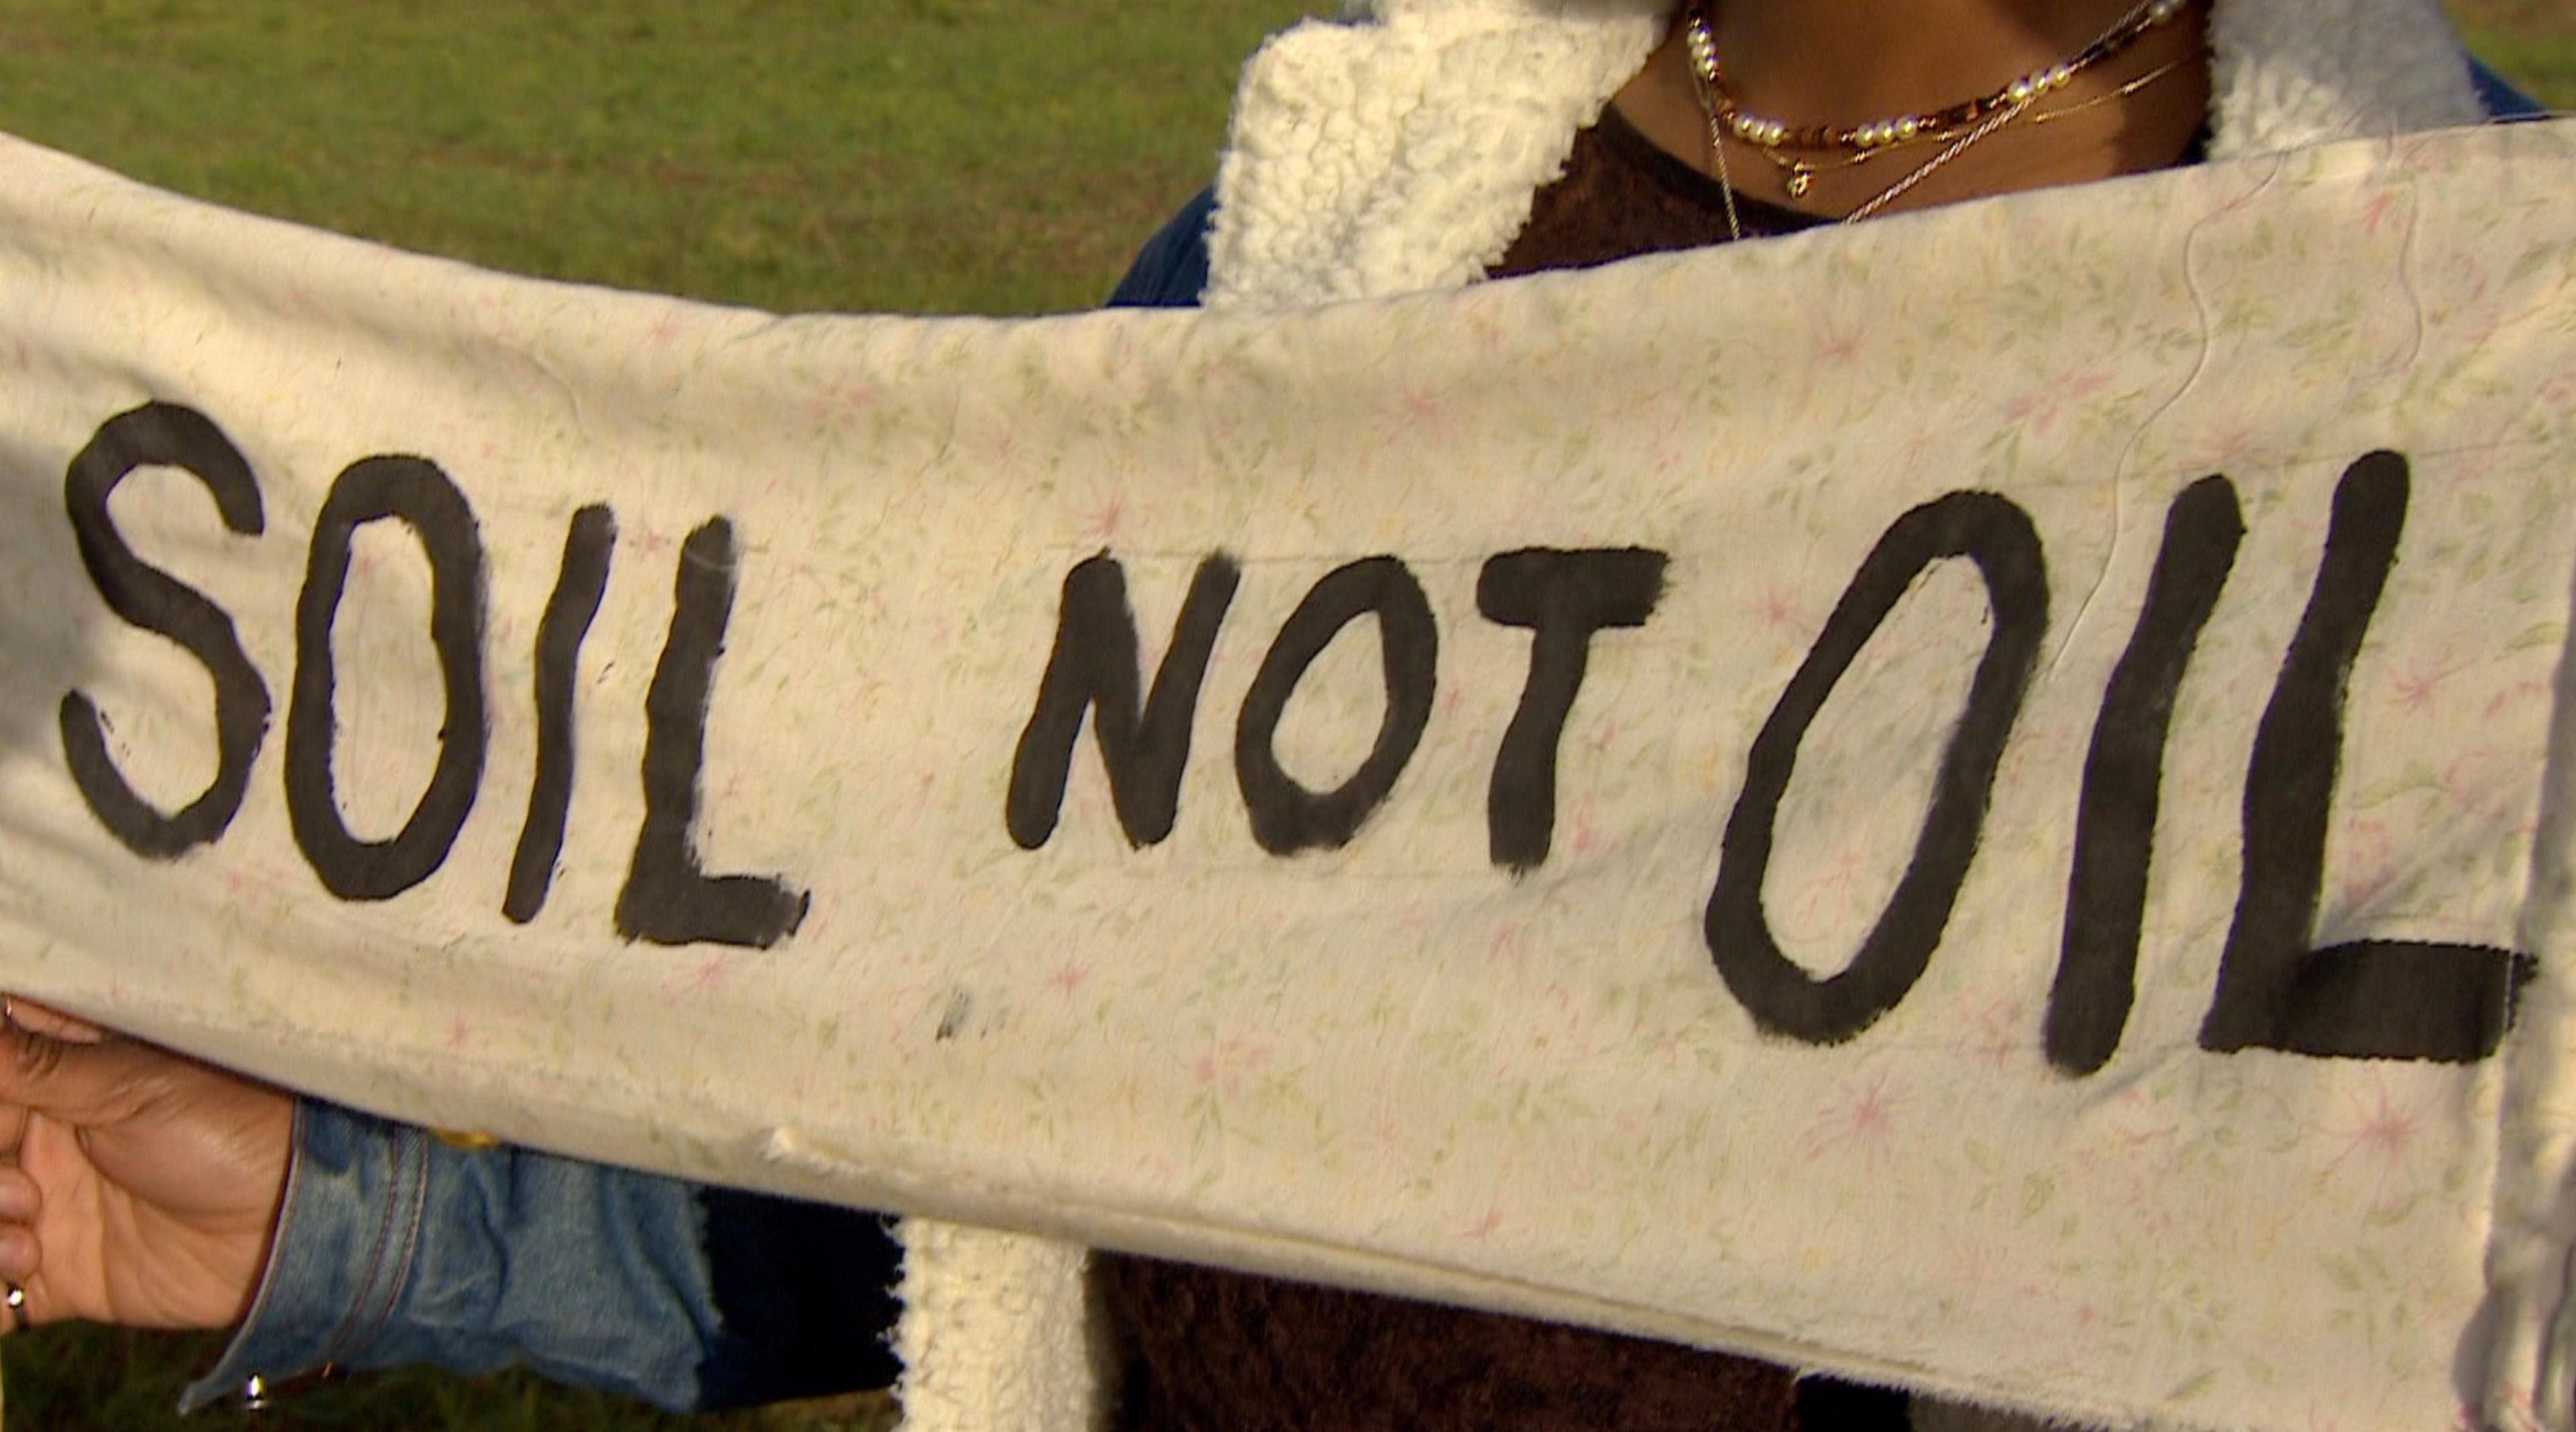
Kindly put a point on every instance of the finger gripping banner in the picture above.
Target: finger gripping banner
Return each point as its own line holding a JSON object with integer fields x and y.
{"x": 1980, "y": 801}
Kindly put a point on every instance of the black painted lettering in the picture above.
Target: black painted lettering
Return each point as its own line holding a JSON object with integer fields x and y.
{"x": 414, "y": 492}
{"x": 1287, "y": 817}
{"x": 164, "y": 434}
{"x": 2115, "y": 821}
{"x": 2367, "y": 999}
{"x": 1144, "y": 746}
{"x": 1562, "y": 597}
{"x": 579, "y": 584}
{"x": 669, "y": 899}
{"x": 1782, "y": 998}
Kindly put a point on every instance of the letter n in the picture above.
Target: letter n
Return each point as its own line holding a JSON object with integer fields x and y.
{"x": 1144, "y": 744}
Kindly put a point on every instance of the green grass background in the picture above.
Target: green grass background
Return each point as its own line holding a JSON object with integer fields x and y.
{"x": 998, "y": 156}
{"x": 923, "y": 156}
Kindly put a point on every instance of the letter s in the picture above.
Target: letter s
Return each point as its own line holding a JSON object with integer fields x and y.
{"x": 164, "y": 434}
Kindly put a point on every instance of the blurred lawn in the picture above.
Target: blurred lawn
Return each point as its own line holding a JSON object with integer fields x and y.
{"x": 922, "y": 156}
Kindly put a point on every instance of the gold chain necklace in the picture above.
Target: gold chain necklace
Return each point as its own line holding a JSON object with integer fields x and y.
{"x": 1790, "y": 147}
{"x": 1798, "y": 175}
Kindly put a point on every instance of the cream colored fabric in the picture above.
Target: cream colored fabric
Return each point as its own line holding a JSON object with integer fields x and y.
{"x": 1398, "y": 149}
{"x": 1392, "y": 1063}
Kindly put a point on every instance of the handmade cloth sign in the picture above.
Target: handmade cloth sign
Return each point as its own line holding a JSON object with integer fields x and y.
{"x": 1980, "y": 801}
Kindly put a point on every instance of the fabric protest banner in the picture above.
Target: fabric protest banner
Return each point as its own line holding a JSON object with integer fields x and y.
{"x": 1979, "y": 801}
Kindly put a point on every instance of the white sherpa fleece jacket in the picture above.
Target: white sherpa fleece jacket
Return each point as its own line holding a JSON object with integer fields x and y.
{"x": 1398, "y": 149}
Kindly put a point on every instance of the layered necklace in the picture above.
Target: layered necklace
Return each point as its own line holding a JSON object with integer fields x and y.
{"x": 1801, "y": 152}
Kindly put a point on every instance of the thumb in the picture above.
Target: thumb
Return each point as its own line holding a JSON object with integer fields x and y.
{"x": 46, "y": 1020}
{"x": 77, "y": 1083}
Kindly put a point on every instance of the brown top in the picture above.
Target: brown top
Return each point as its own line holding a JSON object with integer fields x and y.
{"x": 1620, "y": 196}
{"x": 1211, "y": 1351}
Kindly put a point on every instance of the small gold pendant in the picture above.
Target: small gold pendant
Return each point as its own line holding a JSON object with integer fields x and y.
{"x": 1802, "y": 177}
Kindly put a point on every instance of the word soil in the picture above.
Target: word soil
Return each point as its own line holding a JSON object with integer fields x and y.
{"x": 667, "y": 899}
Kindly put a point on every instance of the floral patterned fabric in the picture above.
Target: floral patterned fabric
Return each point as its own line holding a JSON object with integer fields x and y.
{"x": 677, "y": 735}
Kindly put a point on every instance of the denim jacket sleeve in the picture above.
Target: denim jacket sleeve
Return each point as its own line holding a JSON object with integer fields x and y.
{"x": 2502, "y": 100}
{"x": 1172, "y": 268}
{"x": 396, "y": 1247}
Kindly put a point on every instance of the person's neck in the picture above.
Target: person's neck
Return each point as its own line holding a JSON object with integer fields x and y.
{"x": 1848, "y": 61}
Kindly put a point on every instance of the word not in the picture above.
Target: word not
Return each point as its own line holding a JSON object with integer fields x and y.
{"x": 1562, "y": 597}
{"x": 668, "y": 898}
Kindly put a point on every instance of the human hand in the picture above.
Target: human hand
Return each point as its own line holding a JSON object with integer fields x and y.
{"x": 146, "y": 1185}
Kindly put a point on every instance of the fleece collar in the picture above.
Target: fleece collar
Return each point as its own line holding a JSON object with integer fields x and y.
{"x": 1398, "y": 149}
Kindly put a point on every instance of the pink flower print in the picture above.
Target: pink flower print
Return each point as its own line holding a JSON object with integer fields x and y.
{"x": 1102, "y": 525}
{"x": 2378, "y": 1154}
{"x": 2374, "y": 211}
{"x": 2469, "y": 777}
{"x": 2040, "y": 408}
{"x": 2226, "y": 449}
{"x": 710, "y": 973}
{"x": 1584, "y": 832}
{"x": 2522, "y": 694}
{"x": 1838, "y": 346}
{"x": 2373, "y": 860}
{"x": 2467, "y": 281}
{"x": 1981, "y": 1268}
{"x": 2520, "y": 1409}
{"x": 2559, "y": 392}
{"x": 1777, "y": 608}
{"x": 1414, "y": 409}
{"x": 2002, "y": 1030}
{"x": 841, "y": 402}
{"x": 1224, "y": 1065}
{"x": 2383, "y": 1136}
{"x": 1864, "y": 1125}
{"x": 1069, "y": 977}
{"x": 665, "y": 328}
{"x": 1831, "y": 889}
{"x": 1569, "y": 1024}
{"x": 2416, "y": 687}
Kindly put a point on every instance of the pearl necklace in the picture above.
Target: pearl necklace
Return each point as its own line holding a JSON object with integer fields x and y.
{"x": 1860, "y": 142}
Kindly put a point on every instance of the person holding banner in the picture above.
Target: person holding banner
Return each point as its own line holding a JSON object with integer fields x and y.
{"x": 1501, "y": 137}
